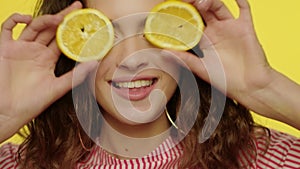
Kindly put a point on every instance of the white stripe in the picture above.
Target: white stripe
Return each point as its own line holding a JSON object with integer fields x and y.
{"x": 265, "y": 163}
{"x": 293, "y": 165}
{"x": 296, "y": 147}
{"x": 295, "y": 158}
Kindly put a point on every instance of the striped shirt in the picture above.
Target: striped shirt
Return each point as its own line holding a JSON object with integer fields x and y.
{"x": 281, "y": 152}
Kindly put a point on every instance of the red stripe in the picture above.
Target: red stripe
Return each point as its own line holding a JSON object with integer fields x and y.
{"x": 2, "y": 161}
{"x": 143, "y": 162}
{"x": 8, "y": 164}
{"x": 296, "y": 155}
{"x": 7, "y": 152}
{"x": 291, "y": 166}
{"x": 173, "y": 154}
{"x": 282, "y": 148}
{"x": 296, "y": 149}
{"x": 264, "y": 165}
{"x": 131, "y": 162}
{"x": 274, "y": 155}
{"x": 293, "y": 162}
{"x": 269, "y": 159}
{"x": 242, "y": 158}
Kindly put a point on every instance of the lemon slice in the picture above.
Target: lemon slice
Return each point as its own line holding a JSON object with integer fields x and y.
{"x": 85, "y": 35}
{"x": 174, "y": 25}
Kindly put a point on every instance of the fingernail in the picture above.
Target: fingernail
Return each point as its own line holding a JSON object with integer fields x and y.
{"x": 77, "y": 4}
{"x": 200, "y": 1}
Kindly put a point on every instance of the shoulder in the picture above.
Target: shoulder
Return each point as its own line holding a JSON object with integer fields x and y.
{"x": 279, "y": 150}
{"x": 8, "y": 156}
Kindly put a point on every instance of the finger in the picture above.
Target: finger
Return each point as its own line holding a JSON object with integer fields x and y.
{"x": 46, "y": 36}
{"x": 32, "y": 31}
{"x": 11, "y": 22}
{"x": 53, "y": 46}
{"x": 72, "y": 7}
{"x": 189, "y": 1}
{"x": 65, "y": 82}
{"x": 212, "y": 10}
{"x": 208, "y": 16}
{"x": 39, "y": 24}
{"x": 245, "y": 12}
{"x": 202, "y": 7}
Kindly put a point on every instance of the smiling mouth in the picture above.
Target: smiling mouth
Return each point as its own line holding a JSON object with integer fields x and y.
{"x": 134, "y": 84}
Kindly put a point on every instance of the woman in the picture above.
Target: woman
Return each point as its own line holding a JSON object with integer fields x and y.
{"x": 66, "y": 130}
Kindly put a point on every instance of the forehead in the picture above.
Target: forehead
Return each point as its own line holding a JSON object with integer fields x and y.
{"x": 119, "y": 8}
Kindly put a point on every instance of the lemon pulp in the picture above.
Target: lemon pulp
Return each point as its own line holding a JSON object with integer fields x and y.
{"x": 85, "y": 35}
{"x": 174, "y": 25}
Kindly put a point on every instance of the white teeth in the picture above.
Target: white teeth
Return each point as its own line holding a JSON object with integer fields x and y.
{"x": 134, "y": 84}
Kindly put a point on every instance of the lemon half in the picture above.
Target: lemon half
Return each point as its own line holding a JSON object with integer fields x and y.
{"x": 174, "y": 25}
{"x": 85, "y": 35}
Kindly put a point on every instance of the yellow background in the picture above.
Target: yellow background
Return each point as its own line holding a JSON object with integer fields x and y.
{"x": 277, "y": 25}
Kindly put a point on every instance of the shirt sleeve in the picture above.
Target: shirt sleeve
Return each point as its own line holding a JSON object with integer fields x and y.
{"x": 8, "y": 156}
{"x": 280, "y": 151}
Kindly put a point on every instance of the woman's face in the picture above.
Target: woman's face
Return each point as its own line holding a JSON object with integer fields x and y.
{"x": 134, "y": 81}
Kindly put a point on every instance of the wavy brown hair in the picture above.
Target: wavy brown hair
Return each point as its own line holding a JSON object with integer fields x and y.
{"x": 56, "y": 138}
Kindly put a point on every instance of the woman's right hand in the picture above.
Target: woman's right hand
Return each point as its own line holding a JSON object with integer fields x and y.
{"x": 28, "y": 84}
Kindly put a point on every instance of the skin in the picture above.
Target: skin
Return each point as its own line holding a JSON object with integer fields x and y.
{"x": 30, "y": 61}
{"x": 133, "y": 58}
{"x": 252, "y": 81}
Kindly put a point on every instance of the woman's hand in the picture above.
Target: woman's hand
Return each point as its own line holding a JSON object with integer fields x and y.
{"x": 28, "y": 84}
{"x": 235, "y": 63}
{"x": 233, "y": 43}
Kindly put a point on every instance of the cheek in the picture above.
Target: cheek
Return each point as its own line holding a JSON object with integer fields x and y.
{"x": 100, "y": 78}
{"x": 172, "y": 71}
{"x": 170, "y": 87}
{"x": 99, "y": 83}
{"x": 167, "y": 64}
{"x": 103, "y": 96}
{"x": 171, "y": 79}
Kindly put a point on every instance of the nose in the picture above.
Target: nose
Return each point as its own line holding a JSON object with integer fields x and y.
{"x": 132, "y": 57}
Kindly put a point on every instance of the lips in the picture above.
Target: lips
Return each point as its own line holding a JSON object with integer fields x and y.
{"x": 136, "y": 89}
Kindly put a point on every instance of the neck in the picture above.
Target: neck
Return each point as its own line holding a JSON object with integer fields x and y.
{"x": 132, "y": 141}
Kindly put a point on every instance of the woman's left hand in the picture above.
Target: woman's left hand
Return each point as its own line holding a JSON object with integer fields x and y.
{"x": 233, "y": 43}
{"x": 234, "y": 61}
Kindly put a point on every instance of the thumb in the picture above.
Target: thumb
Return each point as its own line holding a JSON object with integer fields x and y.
{"x": 73, "y": 78}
